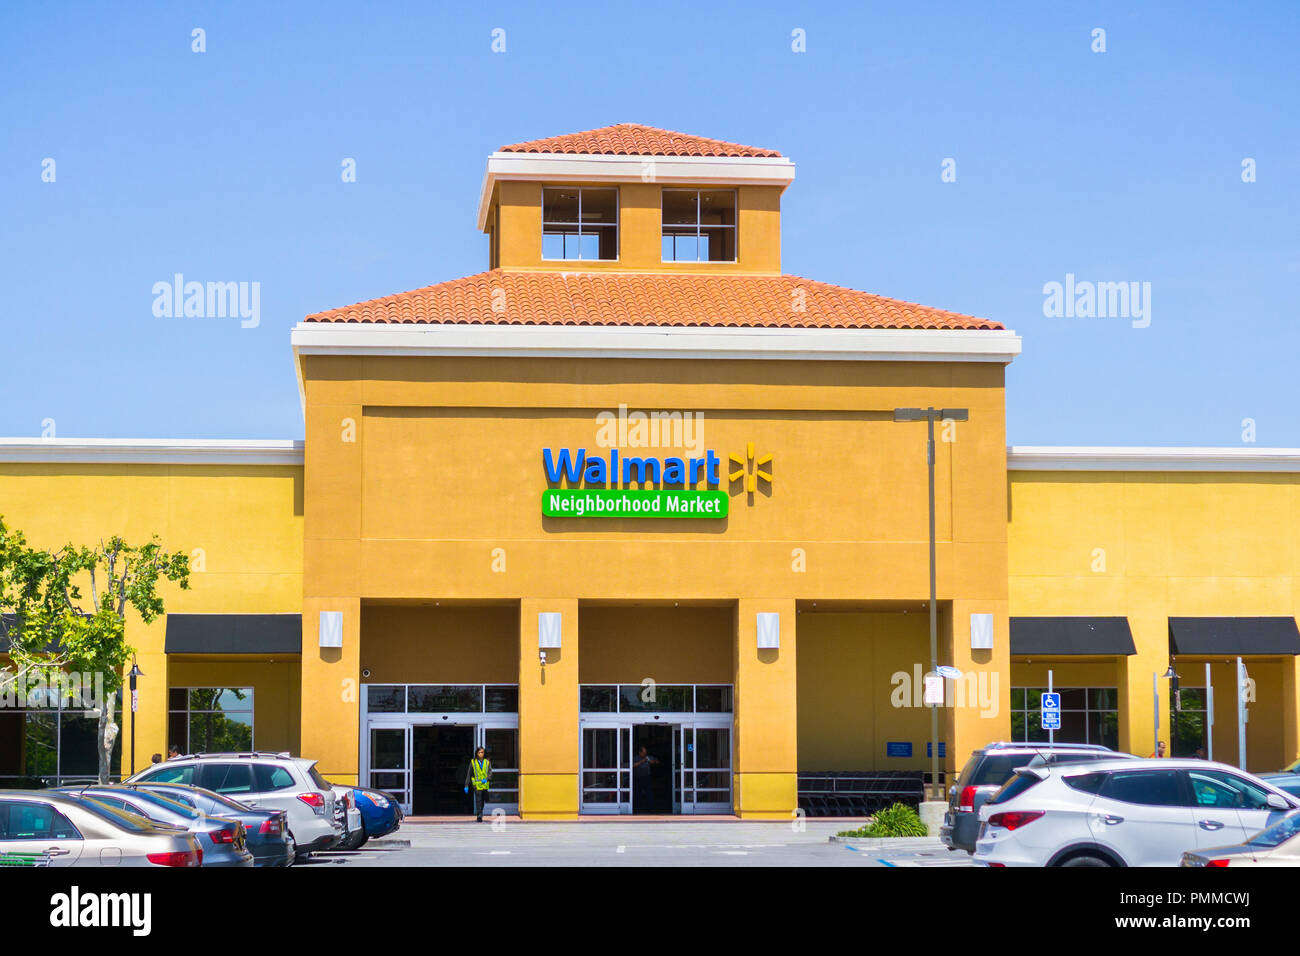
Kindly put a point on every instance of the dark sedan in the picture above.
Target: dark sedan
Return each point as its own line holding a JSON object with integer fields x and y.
{"x": 269, "y": 839}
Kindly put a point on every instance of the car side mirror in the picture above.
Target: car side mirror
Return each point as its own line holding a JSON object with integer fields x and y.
{"x": 1277, "y": 802}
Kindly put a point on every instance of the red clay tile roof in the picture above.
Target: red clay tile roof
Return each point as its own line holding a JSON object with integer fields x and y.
{"x": 631, "y": 139}
{"x": 608, "y": 298}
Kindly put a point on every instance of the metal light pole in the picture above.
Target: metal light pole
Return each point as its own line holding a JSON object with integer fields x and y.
{"x": 135, "y": 705}
{"x": 929, "y": 416}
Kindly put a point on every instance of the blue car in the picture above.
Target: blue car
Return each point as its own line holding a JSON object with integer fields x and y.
{"x": 380, "y": 815}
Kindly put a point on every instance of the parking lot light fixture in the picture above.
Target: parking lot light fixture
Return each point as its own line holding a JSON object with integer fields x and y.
{"x": 930, "y": 415}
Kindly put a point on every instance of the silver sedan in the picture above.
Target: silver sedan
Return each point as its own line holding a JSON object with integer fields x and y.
{"x": 224, "y": 840}
{"x": 41, "y": 828}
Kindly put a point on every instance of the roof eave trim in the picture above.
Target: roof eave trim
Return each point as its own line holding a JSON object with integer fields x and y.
{"x": 689, "y": 342}
{"x": 603, "y": 167}
{"x": 1055, "y": 458}
{"x": 151, "y": 451}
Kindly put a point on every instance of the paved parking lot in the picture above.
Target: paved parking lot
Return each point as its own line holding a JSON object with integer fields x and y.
{"x": 636, "y": 844}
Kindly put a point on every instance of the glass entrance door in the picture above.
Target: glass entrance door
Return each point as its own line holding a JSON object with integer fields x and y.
{"x": 606, "y": 770}
{"x": 502, "y": 746}
{"x": 706, "y": 769}
{"x": 390, "y": 763}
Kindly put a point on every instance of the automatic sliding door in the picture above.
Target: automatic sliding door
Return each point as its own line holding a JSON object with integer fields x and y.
{"x": 712, "y": 791}
{"x": 390, "y": 763}
{"x": 606, "y": 777}
{"x": 502, "y": 746}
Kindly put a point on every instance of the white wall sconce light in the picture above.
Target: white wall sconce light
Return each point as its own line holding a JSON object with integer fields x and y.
{"x": 549, "y": 626}
{"x": 769, "y": 631}
{"x": 331, "y": 628}
{"x": 981, "y": 632}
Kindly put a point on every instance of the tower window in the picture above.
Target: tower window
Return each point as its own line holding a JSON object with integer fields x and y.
{"x": 699, "y": 225}
{"x": 579, "y": 223}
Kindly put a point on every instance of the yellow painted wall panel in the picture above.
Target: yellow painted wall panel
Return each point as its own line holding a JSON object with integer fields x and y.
{"x": 440, "y": 645}
{"x": 627, "y": 645}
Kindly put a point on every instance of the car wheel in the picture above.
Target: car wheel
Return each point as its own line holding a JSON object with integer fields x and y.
{"x": 1086, "y": 859}
{"x": 362, "y": 842}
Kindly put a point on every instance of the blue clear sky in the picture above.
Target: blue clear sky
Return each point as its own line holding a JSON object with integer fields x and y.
{"x": 1118, "y": 166}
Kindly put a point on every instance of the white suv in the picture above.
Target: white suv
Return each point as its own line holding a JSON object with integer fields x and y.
{"x": 1123, "y": 813}
{"x": 262, "y": 780}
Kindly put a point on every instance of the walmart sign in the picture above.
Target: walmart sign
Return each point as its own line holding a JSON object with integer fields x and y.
{"x": 577, "y": 467}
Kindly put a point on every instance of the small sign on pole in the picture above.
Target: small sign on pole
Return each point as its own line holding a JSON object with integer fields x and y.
{"x": 1050, "y": 705}
{"x": 933, "y": 690}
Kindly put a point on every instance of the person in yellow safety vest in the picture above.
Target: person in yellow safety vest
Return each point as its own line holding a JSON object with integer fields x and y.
{"x": 478, "y": 776}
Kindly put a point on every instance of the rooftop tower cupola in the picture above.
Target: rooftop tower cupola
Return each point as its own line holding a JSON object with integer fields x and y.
{"x": 632, "y": 198}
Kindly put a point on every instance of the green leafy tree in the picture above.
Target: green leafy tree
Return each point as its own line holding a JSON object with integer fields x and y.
{"x": 69, "y": 610}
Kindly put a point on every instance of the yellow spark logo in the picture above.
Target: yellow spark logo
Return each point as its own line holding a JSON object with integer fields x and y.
{"x": 750, "y": 469}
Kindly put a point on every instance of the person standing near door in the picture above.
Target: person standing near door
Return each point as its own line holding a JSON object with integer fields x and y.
{"x": 478, "y": 776}
{"x": 642, "y": 792}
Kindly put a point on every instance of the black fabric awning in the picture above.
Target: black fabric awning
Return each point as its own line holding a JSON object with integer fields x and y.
{"x": 1046, "y": 636}
{"x": 234, "y": 634}
{"x": 1233, "y": 636}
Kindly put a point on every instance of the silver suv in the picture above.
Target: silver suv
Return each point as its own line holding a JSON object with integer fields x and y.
{"x": 992, "y": 766}
{"x": 264, "y": 780}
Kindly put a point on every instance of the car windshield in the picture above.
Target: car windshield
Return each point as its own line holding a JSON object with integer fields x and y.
{"x": 190, "y": 797}
{"x": 155, "y": 800}
{"x": 120, "y": 818}
{"x": 1278, "y": 833}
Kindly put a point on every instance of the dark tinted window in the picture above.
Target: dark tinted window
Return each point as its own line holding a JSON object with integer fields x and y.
{"x": 501, "y": 699}
{"x": 444, "y": 698}
{"x": 597, "y": 699}
{"x": 995, "y": 769}
{"x": 228, "y": 777}
{"x": 713, "y": 700}
{"x": 1015, "y": 787}
{"x": 166, "y": 774}
{"x": 1086, "y": 782}
{"x": 20, "y": 820}
{"x": 1152, "y": 788}
{"x": 317, "y": 781}
{"x": 271, "y": 776}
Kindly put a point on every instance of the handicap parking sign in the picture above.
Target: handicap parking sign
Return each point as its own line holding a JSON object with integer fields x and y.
{"x": 1051, "y": 711}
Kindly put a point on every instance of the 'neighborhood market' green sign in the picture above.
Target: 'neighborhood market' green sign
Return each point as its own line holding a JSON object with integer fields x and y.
{"x": 632, "y": 503}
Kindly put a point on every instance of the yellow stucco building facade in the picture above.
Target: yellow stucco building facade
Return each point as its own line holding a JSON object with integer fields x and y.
{"x": 634, "y": 487}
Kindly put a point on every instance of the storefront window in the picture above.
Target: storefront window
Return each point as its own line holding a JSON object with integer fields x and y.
{"x": 501, "y": 699}
{"x": 1187, "y": 722}
{"x": 385, "y": 699}
{"x": 655, "y": 698}
{"x": 1089, "y": 715}
{"x": 444, "y": 698}
{"x": 44, "y": 746}
{"x": 210, "y": 719}
{"x": 713, "y": 700}
{"x": 598, "y": 699}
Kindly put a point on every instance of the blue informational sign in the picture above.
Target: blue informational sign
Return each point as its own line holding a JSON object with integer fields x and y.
{"x": 1051, "y": 711}
{"x": 943, "y": 748}
{"x": 898, "y": 748}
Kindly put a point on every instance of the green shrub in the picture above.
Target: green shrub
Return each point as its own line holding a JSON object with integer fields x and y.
{"x": 900, "y": 820}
